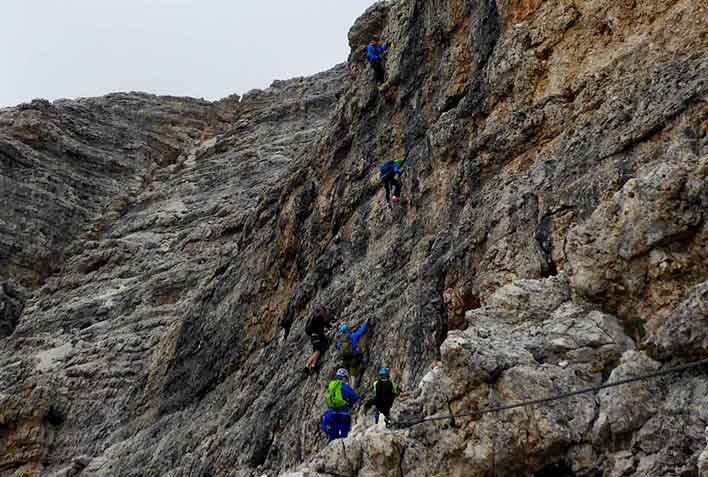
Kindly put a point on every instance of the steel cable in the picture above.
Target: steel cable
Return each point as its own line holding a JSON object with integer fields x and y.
{"x": 589, "y": 389}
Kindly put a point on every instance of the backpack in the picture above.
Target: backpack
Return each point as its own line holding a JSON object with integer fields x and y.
{"x": 335, "y": 399}
{"x": 387, "y": 170}
{"x": 371, "y": 53}
{"x": 346, "y": 348}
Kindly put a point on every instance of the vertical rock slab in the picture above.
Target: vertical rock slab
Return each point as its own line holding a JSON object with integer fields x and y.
{"x": 72, "y": 167}
{"x": 12, "y": 299}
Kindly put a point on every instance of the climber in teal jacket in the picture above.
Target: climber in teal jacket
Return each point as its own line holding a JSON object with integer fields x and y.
{"x": 349, "y": 349}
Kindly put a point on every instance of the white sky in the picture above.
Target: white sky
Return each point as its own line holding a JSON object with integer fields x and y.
{"x": 203, "y": 48}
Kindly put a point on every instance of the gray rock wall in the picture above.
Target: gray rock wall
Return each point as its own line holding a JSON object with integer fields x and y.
{"x": 99, "y": 355}
{"x": 11, "y": 305}
{"x": 551, "y": 236}
{"x": 71, "y": 168}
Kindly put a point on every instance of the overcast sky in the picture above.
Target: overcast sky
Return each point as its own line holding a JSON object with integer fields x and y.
{"x": 203, "y": 48}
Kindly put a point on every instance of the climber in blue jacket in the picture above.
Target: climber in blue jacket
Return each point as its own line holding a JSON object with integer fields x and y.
{"x": 376, "y": 52}
{"x": 348, "y": 348}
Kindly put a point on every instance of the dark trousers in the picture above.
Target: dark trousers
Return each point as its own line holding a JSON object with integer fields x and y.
{"x": 337, "y": 424}
{"x": 379, "y": 71}
{"x": 353, "y": 363}
{"x": 396, "y": 188}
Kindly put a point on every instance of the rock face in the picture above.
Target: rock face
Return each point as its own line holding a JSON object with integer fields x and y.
{"x": 71, "y": 168}
{"x": 11, "y": 304}
{"x": 117, "y": 330}
{"x": 552, "y": 236}
{"x": 703, "y": 460}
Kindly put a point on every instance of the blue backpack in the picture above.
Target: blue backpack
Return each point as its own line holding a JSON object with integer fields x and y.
{"x": 387, "y": 170}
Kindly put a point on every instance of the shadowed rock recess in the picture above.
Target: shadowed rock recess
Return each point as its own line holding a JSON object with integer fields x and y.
{"x": 552, "y": 236}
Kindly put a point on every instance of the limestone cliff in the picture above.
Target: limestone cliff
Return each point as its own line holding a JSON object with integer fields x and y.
{"x": 552, "y": 235}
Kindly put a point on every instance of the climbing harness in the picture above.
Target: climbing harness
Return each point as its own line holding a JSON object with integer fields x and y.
{"x": 557, "y": 397}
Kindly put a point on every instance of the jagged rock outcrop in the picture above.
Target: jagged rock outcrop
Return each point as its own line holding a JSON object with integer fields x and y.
{"x": 641, "y": 251}
{"x": 552, "y": 236}
{"x": 529, "y": 342}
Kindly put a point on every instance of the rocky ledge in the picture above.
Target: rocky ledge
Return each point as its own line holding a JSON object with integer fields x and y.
{"x": 552, "y": 236}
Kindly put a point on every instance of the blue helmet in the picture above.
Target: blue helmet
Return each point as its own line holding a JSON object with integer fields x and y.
{"x": 384, "y": 373}
{"x": 344, "y": 329}
{"x": 342, "y": 374}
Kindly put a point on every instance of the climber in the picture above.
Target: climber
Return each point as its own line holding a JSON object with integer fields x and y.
{"x": 316, "y": 328}
{"x": 337, "y": 421}
{"x": 390, "y": 174}
{"x": 348, "y": 348}
{"x": 376, "y": 52}
{"x": 286, "y": 320}
{"x": 385, "y": 392}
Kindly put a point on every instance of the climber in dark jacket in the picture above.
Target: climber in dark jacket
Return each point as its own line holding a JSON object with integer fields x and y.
{"x": 376, "y": 53}
{"x": 390, "y": 175}
{"x": 316, "y": 328}
{"x": 385, "y": 392}
{"x": 286, "y": 321}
